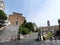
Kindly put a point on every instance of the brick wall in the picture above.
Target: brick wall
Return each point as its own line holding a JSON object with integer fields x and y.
{"x": 16, "y": 18}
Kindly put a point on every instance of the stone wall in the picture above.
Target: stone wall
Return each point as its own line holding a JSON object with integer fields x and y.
{"x": 16, "y": 18}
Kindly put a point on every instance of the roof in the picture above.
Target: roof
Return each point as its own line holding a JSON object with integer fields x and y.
{"x": 17, "y": 13}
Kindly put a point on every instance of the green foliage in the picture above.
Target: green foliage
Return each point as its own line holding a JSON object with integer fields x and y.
{"x": 23, "y": 30}
{"x": 26, "y": 28}
{"x": 30, "y": 26}
{"x": 49, "y": 34}
{"x": 24, "y": 22}
{"x": 2, "y": 15}
{"x": 20, "y": 29}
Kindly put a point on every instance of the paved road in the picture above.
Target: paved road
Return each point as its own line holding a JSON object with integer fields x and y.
{"x": 31, "y": 42}
{"x": 7, "y": 33}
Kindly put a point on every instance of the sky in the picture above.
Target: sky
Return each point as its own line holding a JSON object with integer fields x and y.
{"x": 36, "y": 11}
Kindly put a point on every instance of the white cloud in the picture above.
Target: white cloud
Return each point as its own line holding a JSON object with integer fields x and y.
{"x": 50, "y": 11}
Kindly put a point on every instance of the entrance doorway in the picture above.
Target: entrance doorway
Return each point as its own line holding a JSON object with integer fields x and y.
{"x": 16, "y": 22}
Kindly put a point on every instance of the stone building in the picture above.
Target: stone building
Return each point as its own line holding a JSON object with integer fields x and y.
{"x": 49, "y": 28}
{"x": 2, "y": 6}
{"x": 16, "y": 18}
{"x": 46, "y": 28}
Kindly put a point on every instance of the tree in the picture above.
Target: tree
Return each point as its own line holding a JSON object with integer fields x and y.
{"x": 30, "y": 26}
{"x": 24, "y": 22}
{"x": 26, "y": 28}
{"x": 2, "y": 15}
{"x": 23, "y": 30}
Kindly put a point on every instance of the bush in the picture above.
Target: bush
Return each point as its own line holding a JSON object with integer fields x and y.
{"x": 30, "y": 26}
{"x": 26, "y": 28}
{"x": 23, "y": 30}
{"x": 49, "y": 35}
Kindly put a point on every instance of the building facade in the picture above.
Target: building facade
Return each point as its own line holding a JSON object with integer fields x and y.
{"x": 52, "y": 28}
{"x": 2, "y": 7}
{"x": 16, "y": 18}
